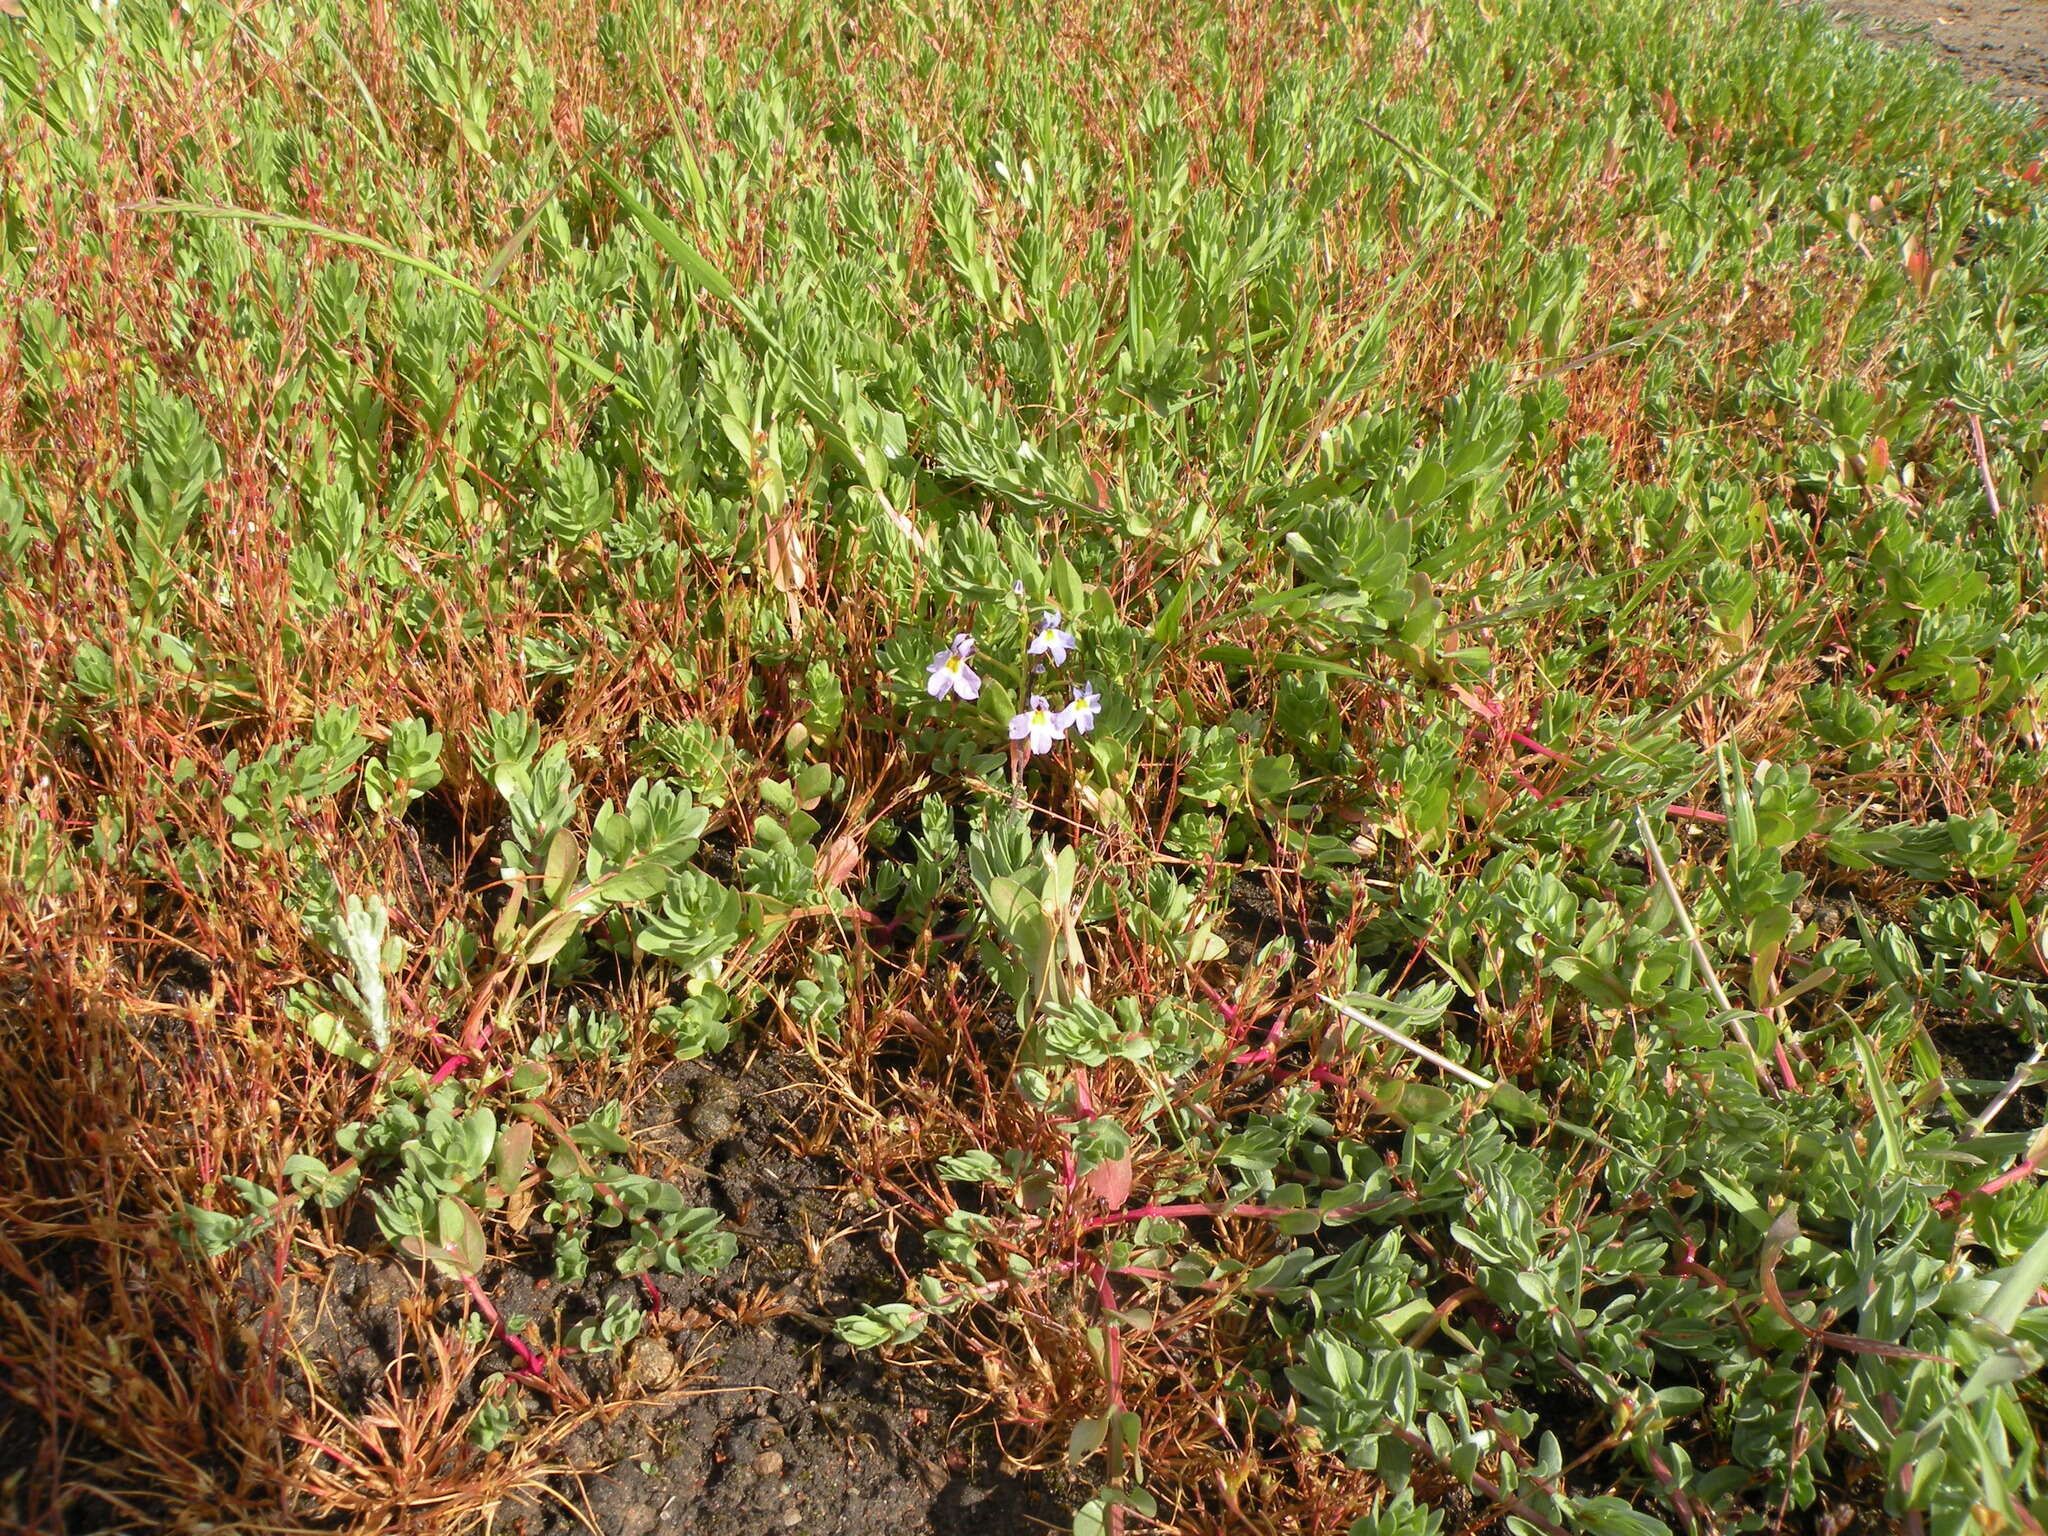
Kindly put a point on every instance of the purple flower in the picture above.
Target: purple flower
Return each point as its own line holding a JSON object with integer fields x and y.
{"x": 1081, "y": 710}
{"x": 949, "y": 673}
{"x": 1037, "y": 725}
{"x": 1051, "y": 641}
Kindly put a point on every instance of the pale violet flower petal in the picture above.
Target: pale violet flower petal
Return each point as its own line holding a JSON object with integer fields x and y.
{"x": 1037, "y": 725}
{"x": 1053, "y": 644}
{"x": 950, "y": 676}
{"x": 1053, "y": 640}
{"x": 1081, "y": 710}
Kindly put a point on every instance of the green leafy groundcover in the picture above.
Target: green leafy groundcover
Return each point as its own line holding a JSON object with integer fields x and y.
{"x": 1417, "y": 629}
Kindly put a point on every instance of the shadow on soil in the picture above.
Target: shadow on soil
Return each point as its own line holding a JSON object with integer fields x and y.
{"x": 743, "y": 1416}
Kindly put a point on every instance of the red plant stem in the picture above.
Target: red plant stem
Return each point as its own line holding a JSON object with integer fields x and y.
{"x": 1084, "y": 1108}
{"x": 1691, "y": 813}
{"x": 1484, "y": 1487}
{"x": 1147, "y": 1272}
{"x": 1530, "y": 785}
{"x": 1949, "y": 1203}
{"x": 1322, "y": 1075}
{"x": 1680, "y": 1501}
{"x": 341, "y": 1457}
{"x": 1228, "y": 1009}
{"x": 1785, "y": 1067}
{"x": 1166, "y": 1277}
{"x": 1222, "y": 1208}
{"x": 1113, "y": 1347}
{"x": 1267, "y": 1051}
{"x": 476, "y": 1030}
{"x": 1199, "y": 1208}
{"x": 1113, "y": 1370}
{"x": 2012, "y": 1175}
{"x": 1691, "y": 1267}
{"x": 1529, "y": 743}
{"x": 530, "y": 1364}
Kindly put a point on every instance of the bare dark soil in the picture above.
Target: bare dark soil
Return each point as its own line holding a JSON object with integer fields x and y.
{"x": 2004, "y": 42}
{"x": 740, "y": 1414}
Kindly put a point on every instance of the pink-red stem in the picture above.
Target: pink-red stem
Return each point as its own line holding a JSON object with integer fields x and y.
{"x": 1529, "y": 743}
{"x": 1951, "y": 1202}
{"x": 1219, "y": 1208}
{"x": 530, "y": 1363}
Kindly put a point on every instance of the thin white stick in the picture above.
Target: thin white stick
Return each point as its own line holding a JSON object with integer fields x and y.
{"x": 2019, "y": 1081}
{"x": 1984, "y": 465}
{"x": 1699, "y": 950}
{"x": 1406, "y": 1043}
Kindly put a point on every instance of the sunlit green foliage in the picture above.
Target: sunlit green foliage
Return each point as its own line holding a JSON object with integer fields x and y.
{"x": 1530, "y": 974}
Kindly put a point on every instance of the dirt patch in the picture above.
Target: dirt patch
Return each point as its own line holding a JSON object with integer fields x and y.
{"x": 734, "y": 1412}
{"x": 2004, "y": 42}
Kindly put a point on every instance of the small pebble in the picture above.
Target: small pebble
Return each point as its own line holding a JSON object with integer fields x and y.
{"x": 792, "y": 1517}
{"x": 650, "y": 1364}
{"x": 714, "y": 1116}
{"x": 718, "y": 1090}
{"x": 768, "y": 1464}
{"x": 712, "y": 1122}
{"x": 381, "y": 1285}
